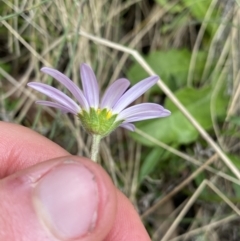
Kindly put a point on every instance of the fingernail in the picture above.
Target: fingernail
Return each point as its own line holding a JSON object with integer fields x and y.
{"x": 66, "y": 200}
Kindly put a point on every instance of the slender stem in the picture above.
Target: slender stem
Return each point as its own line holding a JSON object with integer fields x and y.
{"x": 95, "y": 147}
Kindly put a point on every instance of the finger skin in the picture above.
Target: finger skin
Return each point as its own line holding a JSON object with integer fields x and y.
{"x": 17, "y": 204}
{"x": 127, "y": 224}
{"x": 21, "y": 148}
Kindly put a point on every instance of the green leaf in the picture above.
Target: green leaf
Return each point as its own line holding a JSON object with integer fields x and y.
{"x": 236, "y": 162}
{"x": 6, "y": 67}
{"x": 10, "y": 104}
{"x": 198, "y": 8}
{"x": 235, "y": 120}
{"x": 171, "y": 65}
{"x": 236, "y": 188}
{"x": 150, "y": 162}
{"x": 176, "y": 128}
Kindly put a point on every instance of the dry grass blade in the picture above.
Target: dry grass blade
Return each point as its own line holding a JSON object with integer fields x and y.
{"x": 178, "y": 188}
{"x": 208, "y": 227}
{"x": 192, "y": 200}
{"x": 29, "y": 47}
{"x": 187, "y": 157}
{"x": 199, "y": 40}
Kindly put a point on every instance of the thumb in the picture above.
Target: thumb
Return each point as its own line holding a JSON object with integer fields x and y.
{"x": 68, "y": 198}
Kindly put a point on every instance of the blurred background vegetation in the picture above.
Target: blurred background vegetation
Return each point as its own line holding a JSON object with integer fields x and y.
{"x": 173, "y": 176}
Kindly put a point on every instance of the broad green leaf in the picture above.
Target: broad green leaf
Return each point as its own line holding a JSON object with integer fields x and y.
{"x": 171, "y": 65}
{"x": 160, "y": 162}
{"x": 176, "y": 128}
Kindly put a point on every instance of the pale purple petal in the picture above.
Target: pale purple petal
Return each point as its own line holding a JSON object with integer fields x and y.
{"x": 128, "y": 126}
{"x": 114, "y": 92}
{"x": 61, "y": 107}
{"x": 69, "y": 84}
{"x": 90, "y": 85}
{"x": 55, "y": 94}
{"x": 143, "y": 112}
{"x": 133, "y": 93}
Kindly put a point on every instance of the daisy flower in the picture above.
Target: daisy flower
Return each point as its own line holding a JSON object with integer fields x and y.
{"x": 100, "y": 116}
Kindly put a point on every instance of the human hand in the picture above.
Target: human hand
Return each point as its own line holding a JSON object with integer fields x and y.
{"x": 66, "y": 198}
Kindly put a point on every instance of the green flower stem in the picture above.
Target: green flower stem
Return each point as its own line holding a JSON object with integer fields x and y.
{"x": 95, "y": 147}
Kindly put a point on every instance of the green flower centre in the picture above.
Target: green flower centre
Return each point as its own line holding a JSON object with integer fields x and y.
{"x": 99, "y": 122}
